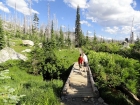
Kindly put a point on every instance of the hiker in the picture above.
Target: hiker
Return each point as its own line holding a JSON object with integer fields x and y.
{"x": 85, "y": 60}
{"x": 80, "y": 61}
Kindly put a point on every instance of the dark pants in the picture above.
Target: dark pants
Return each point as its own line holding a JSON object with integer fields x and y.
{"x": 85, "y": 64}
{"x": 80, "y": 65}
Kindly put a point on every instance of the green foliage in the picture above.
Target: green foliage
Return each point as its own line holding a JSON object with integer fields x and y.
{"x": 114, "y": 97}
{"x": 136, "y": 49}
{"x": 61, "y": 38}
{"x": 50, "y": 62}
{"x": 35, "y": 59}
{"x": 57, "y": 62}
{"x": 94, "y": 39}
{"x": 115, "y": 47}
{"x": 106, "y": 47}
{"x": 113, "y": 70}
{"x": 38, "y": 92}
{"x": 2, "y": 40}
{"x": 18, "y": 34}
{"x": 34, "y": 90}
{"x": 7, "y": 94}
{"x": 68, "y": 40}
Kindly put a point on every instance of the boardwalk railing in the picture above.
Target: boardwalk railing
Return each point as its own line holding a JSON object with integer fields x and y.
{"x": 66, "y": 86}
{"x": 94, "y": 88}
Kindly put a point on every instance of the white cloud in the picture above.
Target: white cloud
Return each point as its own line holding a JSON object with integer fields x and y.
{"x": 113, "y": 30}
{"x": 115, "y": 15}
{"x": 112, "y": 12}
{"x": 138, "y": 28}
{"x": 73, "y": 28}
{"x": 21, "y": 6}
{"x": 108, "y": 38}
{"x": 63, "y": 26}
{"x": 126, "y": 30}
{"x": 4, "y": 8}
{"x": 121, "y": 30}
{"x": 134, "y": 4}
{"x": 107, "y": 12}
{"x": 100, "y": 36}
{"x": 75, "y": 3}
{"x": 92, "y": 18}
{"x": 89, "y": 32}
{"x": 85, "y": 22}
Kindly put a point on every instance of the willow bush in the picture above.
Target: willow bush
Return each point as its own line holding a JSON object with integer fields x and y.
{"x": 113, "y": 70}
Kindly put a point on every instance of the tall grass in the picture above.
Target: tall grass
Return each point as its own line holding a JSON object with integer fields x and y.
{"x": 36, "y": 91}
{"x": 70, "y": 54}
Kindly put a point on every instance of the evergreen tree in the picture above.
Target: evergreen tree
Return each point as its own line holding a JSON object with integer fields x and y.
{"x": 95, "y": 38}
{"x": 53, "y": 40}
{"x": 57, "y": 39}
{"x": 68, "y": 39}
{"x": 2, "y": 41}
{"x": 81, "y": 39}
{"x": 61, "y": 39}
{"x": 137, "y": 45}
{"x": 41, "y": 33}
{"x": 52, "y": 32}
{"x": 35, "y": 23}
{"x": 77, "y": 28}
{"x": 34, "y": 28}
{"x": 87, "y": 39}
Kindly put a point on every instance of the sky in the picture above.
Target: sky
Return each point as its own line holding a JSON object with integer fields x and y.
{"x": 109, "y": 19}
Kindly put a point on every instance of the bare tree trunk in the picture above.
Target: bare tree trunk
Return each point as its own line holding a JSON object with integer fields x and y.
{"x": 15, "y": 21}
{"x": 30, "y": 17}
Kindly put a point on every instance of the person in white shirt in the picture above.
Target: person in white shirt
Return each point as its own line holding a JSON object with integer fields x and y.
{"x": 85, "y": 59}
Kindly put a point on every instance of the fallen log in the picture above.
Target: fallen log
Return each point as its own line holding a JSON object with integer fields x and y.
{"x": 129, "y": 93}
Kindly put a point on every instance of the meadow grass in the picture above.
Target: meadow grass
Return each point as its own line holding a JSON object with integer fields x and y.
{"x": 36, "y": 91}
{"x": 70, "y": 54}
{"x": 18, "y": 47}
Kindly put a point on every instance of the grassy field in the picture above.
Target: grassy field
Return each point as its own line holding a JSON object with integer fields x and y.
{"x": 19, "y": 87}
{"x": 18, "y": 47}
{"x": 71, "y": 54}
{"x": 24, "y": 88}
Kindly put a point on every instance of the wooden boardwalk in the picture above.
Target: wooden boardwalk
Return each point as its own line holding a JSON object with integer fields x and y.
{"x": 79, "y": 87}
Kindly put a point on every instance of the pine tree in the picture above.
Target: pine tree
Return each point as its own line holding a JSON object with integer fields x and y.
{"x": 81, "y": 39}
{"x": 77, "y": 28}
{"x": 95, "y": 38}
{"x": 137, "y": 44}
{"x": 57, "y": 39}
{"x": 61, "y": 39}
{"x": 35, "y": 23}
{"x": 68, "y": 39}
{"x": 2, "y": 41}
{"x": 53, "y": 40}
{"x": 87, "y": 39}
{"x": 52, "y": 32}
{"x": 35, "y": 28}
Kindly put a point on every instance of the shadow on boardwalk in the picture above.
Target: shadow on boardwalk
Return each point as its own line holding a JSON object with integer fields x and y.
{"x": 78, "y": 89}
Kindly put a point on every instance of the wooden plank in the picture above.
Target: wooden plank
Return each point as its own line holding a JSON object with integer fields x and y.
{"x": 80, "y": 83}
{"x": 80, "y": 95}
